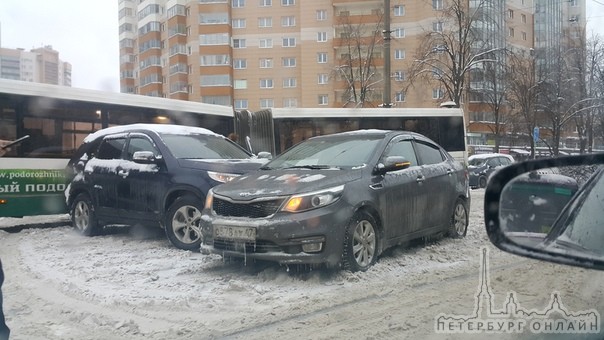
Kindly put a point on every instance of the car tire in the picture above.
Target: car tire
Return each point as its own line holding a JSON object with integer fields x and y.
{"x": 360, "y": 243}
{"x": 83, "y": 218}
{"x": 482, "y": 182}
{"x": 182, "y": 223}
{"x": 458, "y": 227}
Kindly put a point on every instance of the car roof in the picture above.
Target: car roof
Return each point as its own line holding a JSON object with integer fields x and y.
{"x": 490, "y": 155}
{"x": 158, "y": 128}
{"x": 376, "y": 132}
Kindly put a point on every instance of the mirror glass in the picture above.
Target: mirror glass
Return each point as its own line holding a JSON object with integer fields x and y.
{"x": 556, "y": 210}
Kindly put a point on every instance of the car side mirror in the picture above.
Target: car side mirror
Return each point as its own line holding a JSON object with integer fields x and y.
{"x": 549, "y": 209}
{"x": 393, "y": 163}
{"x": 264, "y": 155}
{"x": 145, "y": 157}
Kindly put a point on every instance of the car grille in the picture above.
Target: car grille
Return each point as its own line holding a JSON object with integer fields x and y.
{"x": 257, "y": 209}
{"x": 250, "y": 247}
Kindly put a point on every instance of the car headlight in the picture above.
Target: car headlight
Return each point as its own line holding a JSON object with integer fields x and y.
{"x": 312, "y": 200}
{"x": 221, "y": 176}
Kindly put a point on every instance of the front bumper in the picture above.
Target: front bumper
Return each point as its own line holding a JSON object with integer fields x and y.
{"x": 311, "y": 237}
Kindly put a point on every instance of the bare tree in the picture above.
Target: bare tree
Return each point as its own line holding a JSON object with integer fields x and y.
{"x": 594, "y": 87}
{"x": 449, "y": 51}
{"x": 358, "y": 48}
{"x": 522, "y": 89}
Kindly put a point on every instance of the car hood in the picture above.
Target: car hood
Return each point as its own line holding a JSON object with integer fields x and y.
{"x": 269, "y": 183}
{"x": 234, "y": 166}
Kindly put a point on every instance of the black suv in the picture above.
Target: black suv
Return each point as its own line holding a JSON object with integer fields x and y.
{"x": 151, "y": 174}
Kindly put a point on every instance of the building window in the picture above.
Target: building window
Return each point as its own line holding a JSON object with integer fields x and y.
{"x": 240, "y": 64}
{"x": 398, "y": 75}
{"x": 399, "y": 54}
{"x": 437, "y": 94}
{"x": 213, "y": 18}
{"x": 237, "y": 3}
{"x": 323, "y": 78}
{"x": 323, "y": 99}
{"x": 217, "y": 100}
{"x": 266, "y": 3}
{"x": 524, "y": 36}
{"x": 289, "y": 62}
{"x": 437, "y": 26}
{"x": 321, "y": 36}
{"x": 437, "y": 4}
{"x": 399, "y": 97}
{"x": 399, "y": 32}
{"x": 289, "y": 42}
{"x": 574, "y": 3}
{"x": 216, "y": 80}
{"x": 214, "y": 39}
{"x": 289, "y": 83}
{"x": 290, "y": 102}
{"x": 238, "y": 23}
{"x": 288, "y": 21}
{"x": 215, "y": 60}
{"x": 241, "y": 104}
{"x": 321, "y": 15}
{"x": 266, "y": 63}
{"x": 510, "y": 13}
{"x": 266, "y": 43}
{"x": 266, "y": 103}
{"x": 240, "y": 84}
{"x": 288, "y": 2}
{"x": 265, "y": 22}
{"x": 266, "y": 83}
{"x": 239, "y": 43}
{"x": 399, "y": 10}
{"x": 523, "y": 18}
{"x": 511, "y": 32}
{"x": 321, "y": 57}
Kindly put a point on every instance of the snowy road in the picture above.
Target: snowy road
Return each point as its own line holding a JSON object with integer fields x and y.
{"x": 132, "y": 284}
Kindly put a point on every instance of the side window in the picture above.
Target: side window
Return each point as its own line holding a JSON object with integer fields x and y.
{"x": 493, "y": 162}
{"x": 428, "y": 153}
{"x": 403, "y": 148}
{"x": 111, "y": 148}
{"x": 140, "y": 144}
{"x": 505, "y": 161}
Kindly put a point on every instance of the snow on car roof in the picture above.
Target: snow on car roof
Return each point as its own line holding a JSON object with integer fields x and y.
{"x": 159, "y": 128}
{"x": 488, "y": 155}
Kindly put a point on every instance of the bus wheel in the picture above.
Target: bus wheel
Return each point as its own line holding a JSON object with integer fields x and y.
{"x": 182, "y": 223}
{"x": 82, "y": 215}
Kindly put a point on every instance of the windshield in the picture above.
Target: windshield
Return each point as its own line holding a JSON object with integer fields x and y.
{"x": 194, "y": 146}
{"x": 328, "y": 152}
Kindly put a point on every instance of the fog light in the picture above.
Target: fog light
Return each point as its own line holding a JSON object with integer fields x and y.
{"x": 312, "y": 247}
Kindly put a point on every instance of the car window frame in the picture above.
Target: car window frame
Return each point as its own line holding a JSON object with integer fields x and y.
{"x": 419, "y": 153}
{"x": 398, "y": 139}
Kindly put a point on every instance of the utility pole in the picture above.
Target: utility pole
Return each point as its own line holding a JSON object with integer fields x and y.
{"x": 386, "y": 31}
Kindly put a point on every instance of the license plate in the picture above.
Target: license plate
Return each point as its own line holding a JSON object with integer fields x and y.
{"x": 235, "y": 233}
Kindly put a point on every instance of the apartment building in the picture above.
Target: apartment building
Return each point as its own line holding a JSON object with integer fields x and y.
{"x": 39, "y": 65}
{"x": 255, "y": 54}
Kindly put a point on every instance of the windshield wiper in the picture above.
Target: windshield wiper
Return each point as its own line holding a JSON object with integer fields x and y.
{"x": 312, "y": 167}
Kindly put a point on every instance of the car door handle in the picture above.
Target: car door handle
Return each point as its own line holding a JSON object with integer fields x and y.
{"x": 122, "y": 172}
{"x": 450, "y": 172}
{"x": 376, "y": 186}
{"x": 420, "y": 179}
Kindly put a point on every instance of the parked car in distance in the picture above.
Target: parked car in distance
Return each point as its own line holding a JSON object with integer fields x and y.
{"x": 151, "y": 174}
{"x": 339, "y": 200}
{"x": 576, "y": 236}
{"x": 481, "y": 166}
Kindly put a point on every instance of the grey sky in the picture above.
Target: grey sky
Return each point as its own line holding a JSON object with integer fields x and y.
{"x": 85, "y": 32}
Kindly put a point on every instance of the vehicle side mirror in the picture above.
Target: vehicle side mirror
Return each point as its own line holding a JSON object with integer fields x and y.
{"x": 264, "y": 155}
{"x": 549, "y": 209}
{"x": 145, "y": 157}
{"x": 393, "y": 163}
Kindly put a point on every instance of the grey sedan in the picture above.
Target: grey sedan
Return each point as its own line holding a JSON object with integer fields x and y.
{"x": 339, "y": 200}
